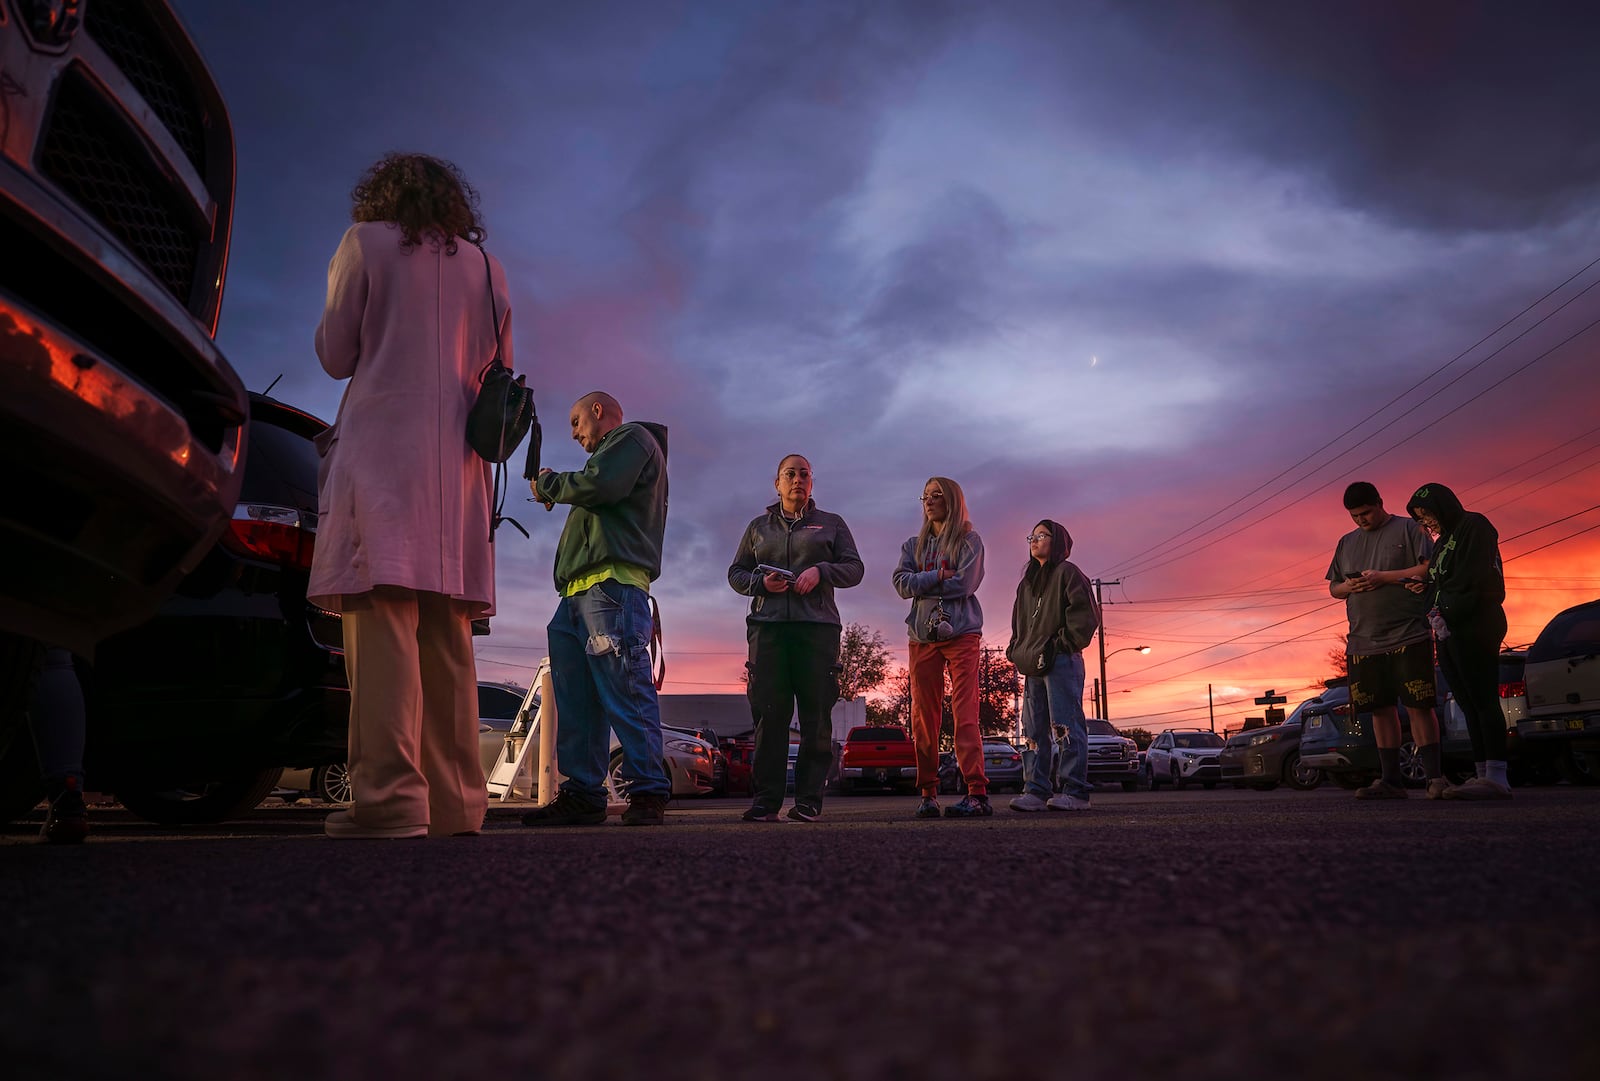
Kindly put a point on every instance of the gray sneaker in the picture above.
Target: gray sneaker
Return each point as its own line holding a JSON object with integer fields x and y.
{"x": 1478, "y": 788}
{"x": 1028, "y": 802}
{"x": 1065, "y": 802}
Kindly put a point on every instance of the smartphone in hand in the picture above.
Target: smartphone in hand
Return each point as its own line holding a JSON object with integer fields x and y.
{"x": 767, "y": 568}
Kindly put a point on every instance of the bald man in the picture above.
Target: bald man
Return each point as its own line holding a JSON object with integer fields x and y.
{"x": 599, "y": 637}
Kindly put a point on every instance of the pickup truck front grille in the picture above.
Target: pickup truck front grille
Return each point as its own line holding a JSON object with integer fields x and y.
{"x": 90, "y": 153}
{"x": 129, "y": 35}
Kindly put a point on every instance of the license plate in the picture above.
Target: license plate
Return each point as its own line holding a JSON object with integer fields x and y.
{"x": 1315, "y": 722}
{"x": 997, "y": 761}
{"x": 1575, "y": 722}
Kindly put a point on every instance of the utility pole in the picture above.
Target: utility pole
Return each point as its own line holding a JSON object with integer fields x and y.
{"x": 1105, "y": 705}
{"x": 1211, "y": 708}
{"x": 1095, "y": 701}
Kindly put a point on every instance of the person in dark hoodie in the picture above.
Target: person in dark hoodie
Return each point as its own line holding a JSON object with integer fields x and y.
{"x": 793, "y": 628}
{"x": 1468, "y": 590}
{"x": 1053, "y": 620}
{"x": 599, "y": 637}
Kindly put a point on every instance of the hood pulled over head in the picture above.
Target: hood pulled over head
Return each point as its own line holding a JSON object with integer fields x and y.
{"x": 1438, "y": 501}
{"x": 1060, "y": 541}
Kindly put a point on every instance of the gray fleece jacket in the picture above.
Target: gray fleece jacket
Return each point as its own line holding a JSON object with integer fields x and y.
{"x": 818, "y": 539}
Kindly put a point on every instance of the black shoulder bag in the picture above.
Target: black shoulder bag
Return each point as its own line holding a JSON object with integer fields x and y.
{"x": 501, "y": 417}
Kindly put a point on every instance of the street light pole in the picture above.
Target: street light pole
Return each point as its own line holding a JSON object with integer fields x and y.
{"x": 1105, "y": 692}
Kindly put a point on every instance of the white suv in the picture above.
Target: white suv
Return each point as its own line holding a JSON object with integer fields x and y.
{"x": 1183, "y": 755}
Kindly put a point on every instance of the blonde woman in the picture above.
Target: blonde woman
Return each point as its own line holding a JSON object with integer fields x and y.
{"x": 939, "y": 573}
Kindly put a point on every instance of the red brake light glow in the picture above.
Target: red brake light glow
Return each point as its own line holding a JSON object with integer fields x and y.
{"x": 273, "y": 534}
{"x": 1519, "y": 689}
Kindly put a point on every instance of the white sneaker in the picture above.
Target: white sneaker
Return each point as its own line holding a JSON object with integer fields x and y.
{"x": 1065, "y": 802}
{"x": 343, "y": 826}
{"x": 1028, "y": 802}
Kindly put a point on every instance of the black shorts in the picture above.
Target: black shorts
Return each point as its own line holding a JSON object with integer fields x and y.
{"x": 1403, "y": 675}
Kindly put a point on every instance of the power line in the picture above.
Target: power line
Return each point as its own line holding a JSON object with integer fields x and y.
{"x": 1393, "y": 446}
{"x": 1128, "y": 565}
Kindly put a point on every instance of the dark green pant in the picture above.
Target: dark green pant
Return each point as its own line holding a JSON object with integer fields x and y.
{"x": 793, "y": 671}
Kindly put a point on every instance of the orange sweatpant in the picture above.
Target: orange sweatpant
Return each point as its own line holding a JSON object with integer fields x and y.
{"x": 928, "y": 663}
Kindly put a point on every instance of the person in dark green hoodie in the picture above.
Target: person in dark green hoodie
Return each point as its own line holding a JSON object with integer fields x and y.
{"x": 1053, "y": 620}
{"x": 1468, "y": 590}
{"x": 609, "y": 553}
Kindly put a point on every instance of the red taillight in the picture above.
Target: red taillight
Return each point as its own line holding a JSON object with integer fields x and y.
{"x": 1342, "y": 709}
{"x": 1016, "y": 758}
{"x": 275, "y": 534}
{"x": 1519, "y": 689}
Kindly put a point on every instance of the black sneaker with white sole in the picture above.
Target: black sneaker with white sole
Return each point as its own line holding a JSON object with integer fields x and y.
{"x": 802, "y": 813}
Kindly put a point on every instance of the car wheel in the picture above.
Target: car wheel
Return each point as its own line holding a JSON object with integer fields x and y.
{"x": 614, "y": 785}
{"x": 1578, "y": 767}
{"x": 1178, "y": 782}
{"x": 1411, "y": 769}
{"x": 1150, "y": 779}
{"x": 213, "y": 801}
{"x": 1299, "y": 777}
{"x": 331, "y": 783}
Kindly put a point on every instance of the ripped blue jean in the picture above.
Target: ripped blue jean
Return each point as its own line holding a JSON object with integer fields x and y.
{"x": 1057, "y": 698}
{"x": 600, "y": 668}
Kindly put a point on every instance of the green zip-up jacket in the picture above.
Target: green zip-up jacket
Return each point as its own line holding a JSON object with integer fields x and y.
{"x": 619, "y": 503}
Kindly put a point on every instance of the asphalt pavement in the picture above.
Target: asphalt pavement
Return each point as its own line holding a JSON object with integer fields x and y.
{"x": 1195, "y": 934}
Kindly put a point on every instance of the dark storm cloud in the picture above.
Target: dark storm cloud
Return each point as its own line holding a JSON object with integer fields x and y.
{"x": 1445, "y": 114}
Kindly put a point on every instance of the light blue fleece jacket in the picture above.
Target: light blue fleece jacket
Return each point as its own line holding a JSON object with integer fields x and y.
{"x": 917, "y": 580}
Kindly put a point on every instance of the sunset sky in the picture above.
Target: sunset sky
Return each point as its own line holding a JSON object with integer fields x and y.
{"x": 1173, "y": 274}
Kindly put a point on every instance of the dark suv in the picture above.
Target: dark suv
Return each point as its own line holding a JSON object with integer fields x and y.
{"x": 121, "y": 425}
{"x": 193, "y": 715}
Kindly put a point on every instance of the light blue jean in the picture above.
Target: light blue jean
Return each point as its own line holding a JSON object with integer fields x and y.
{"x": 1057, "y": 698}
{"x": 600, "y": 668}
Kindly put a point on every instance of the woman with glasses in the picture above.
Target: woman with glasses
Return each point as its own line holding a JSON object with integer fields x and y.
{"x": 1468, "y": 590}
{"x": 789, "y": 562}
{"x": 1052, "y": 621}
{"x": 939, "y": 573}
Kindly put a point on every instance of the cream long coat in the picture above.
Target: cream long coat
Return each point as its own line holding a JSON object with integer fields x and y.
{"x": 402, "y": 499}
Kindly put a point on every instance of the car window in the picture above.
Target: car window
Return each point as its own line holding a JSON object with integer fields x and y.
{"x": 1575, "y": 631}
{"x": 1196, "y": 740}
{"x": 498, "y": 702}
{"x": 876, "y": 735}
{"x": 1099, "y": 727}
{"x": 279, "y": 459}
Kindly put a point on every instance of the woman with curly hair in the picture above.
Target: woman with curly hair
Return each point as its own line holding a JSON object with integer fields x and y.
{"x": 413, "y": 316}
{"x": 939, "y": 573}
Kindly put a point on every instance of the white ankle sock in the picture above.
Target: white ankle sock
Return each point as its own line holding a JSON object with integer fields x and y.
{"x": 1496, "y": 772}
